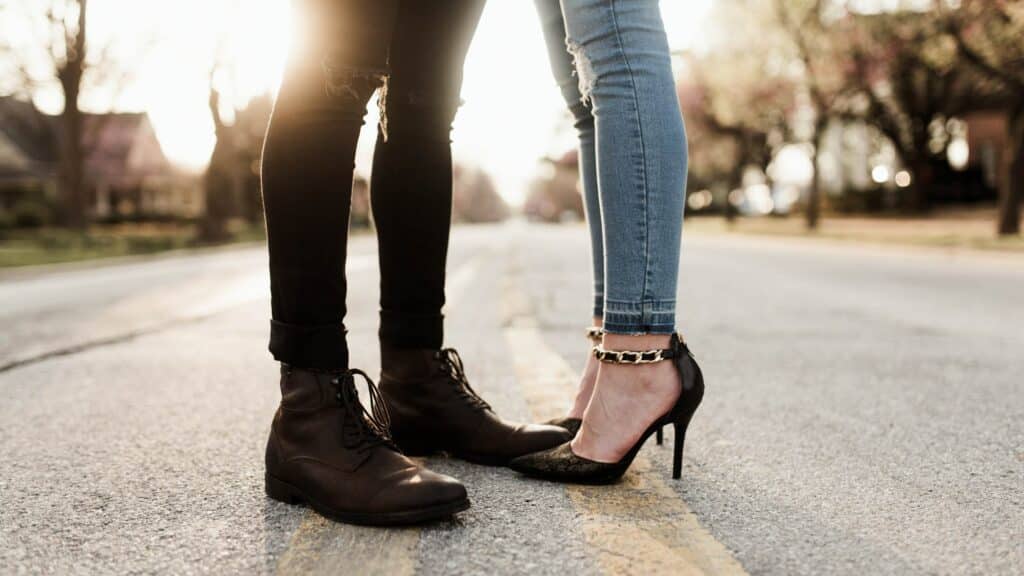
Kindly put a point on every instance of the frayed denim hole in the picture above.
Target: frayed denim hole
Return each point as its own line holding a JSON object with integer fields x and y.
{"x": 352, "y": 84}
{"x": 585, "y": 74}
{"x": 382, "y": 109}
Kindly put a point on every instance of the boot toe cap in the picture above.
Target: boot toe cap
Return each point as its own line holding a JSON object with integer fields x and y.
{"x": 537, "y": 437}
{"x": 423, "y": 489}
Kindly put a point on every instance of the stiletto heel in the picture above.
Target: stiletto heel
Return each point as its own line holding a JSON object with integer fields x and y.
{"x": 677, "y": 450}
{"x": 660, "y": 436}
{"x": 562, "y": 464}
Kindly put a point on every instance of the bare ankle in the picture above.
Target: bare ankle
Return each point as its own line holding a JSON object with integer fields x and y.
{"x": 636, "y": 342}
{"x": 640, "y": 377}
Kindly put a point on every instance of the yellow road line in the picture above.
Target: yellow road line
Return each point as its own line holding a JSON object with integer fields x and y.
{"x": 321, "y": 546}
{"x": 639, "y": 526}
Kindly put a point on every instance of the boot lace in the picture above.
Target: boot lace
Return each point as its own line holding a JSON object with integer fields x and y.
{"x": 364, "y": 429}
{"x": 451, "y": 366}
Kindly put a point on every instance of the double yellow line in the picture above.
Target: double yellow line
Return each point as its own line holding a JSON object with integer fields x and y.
{"x": 639, "y": 526}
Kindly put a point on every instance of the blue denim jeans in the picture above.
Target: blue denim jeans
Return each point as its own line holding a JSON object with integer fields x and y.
{"x": 611, "y": 59}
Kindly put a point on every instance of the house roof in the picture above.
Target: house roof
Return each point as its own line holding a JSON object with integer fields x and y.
{"x": 120, "y": 148}
{"x": 29, "y": 144}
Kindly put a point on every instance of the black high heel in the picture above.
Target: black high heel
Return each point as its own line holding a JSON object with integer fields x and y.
{"x": 573, "y": 425}
{"x": 562, "y": 464}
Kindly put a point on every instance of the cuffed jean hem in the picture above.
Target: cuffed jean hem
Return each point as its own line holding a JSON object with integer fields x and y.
{"x": 598, "y": 305}
{"x": 412, "y": 330}
{"x": 309, "y": 347}
{"x": 635, "y": 318}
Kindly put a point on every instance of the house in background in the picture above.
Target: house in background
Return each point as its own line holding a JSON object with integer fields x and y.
{"x": 127, "y": 174}
{"x": 988, "y": 147}
{"x": 28, "y": 153}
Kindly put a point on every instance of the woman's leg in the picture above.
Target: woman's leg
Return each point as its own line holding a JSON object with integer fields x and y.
{"x": 625, "y": 72}
{"x": 562, "y": 66}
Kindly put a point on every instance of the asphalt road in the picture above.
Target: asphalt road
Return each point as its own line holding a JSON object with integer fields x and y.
{"x": 864, "y": 415}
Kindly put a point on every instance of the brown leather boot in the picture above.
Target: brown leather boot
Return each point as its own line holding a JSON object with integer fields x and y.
{"x": 434, "y": 409}
{"x": 326, "y": 450}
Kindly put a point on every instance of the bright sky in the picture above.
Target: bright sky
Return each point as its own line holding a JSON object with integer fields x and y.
{"x": 513, "y": 113}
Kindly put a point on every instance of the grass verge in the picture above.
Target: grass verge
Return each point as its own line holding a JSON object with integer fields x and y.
{"x": 54, "y": 245}
{"x": 949, "y": 232}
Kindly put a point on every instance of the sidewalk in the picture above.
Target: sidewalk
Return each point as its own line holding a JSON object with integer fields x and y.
{"x": 966, "y": 230}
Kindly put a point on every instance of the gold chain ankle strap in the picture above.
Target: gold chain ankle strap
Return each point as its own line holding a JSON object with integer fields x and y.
{"x": 631, "y": 356}
{"x": 641, "y": 356}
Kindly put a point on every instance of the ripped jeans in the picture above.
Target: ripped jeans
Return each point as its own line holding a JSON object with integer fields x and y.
{"x": 412, "y": 53}
{"x": 612, "y": 62}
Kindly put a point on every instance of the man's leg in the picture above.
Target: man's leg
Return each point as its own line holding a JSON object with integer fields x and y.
{"x": 411, "y": 185}
{"x": 323, "y": 449}
{"x": 431, "y": 404}
{"x": 308, "y": 163}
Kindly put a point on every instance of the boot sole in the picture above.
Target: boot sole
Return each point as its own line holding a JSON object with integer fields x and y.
{"x": 284, "y": 492}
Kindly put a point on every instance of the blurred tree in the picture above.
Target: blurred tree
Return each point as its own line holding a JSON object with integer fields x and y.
{"x": 251, "y": 127}
{"x": 62, "y": 44}
{"x": 989, "y": 36}
{"x": 222, "y": 174}
{"x": 737, "y": 94}
{"x": 231, "y": 182}
{"x": 819, "y": 38}
{"x": 911, "y": 83}
{"x": 722, "y": 144}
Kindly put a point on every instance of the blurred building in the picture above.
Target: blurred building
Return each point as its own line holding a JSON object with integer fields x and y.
{"x": 555, "y": 195}
{"x": 475, "y": 198}
{"x": 988, "y": 147}
{"x": 126, "y": 172}
{"x": 28, "y": 152}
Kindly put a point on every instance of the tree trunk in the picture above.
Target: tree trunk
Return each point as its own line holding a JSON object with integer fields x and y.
{"x": 813, "y": 209}
{"x": 1012, "y": 190}
{"x": 922, "y": 177}
{"x": 217, "y": 182}
{"x": 70, "y": 176}
{"x": 71, "y": 171}
{"x": 218, "y": 188}
{"x": 735, "y": 181}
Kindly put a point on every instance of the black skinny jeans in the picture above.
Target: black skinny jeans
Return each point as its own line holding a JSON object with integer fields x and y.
{"x": 413, "y": 52}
